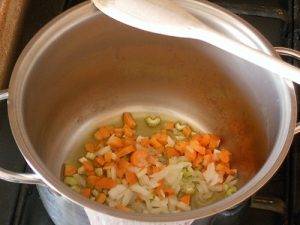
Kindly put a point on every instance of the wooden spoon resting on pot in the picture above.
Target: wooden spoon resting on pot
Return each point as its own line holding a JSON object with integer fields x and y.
{"x": 167, "y": 18}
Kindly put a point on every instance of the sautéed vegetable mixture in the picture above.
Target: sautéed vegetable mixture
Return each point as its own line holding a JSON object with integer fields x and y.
{"x": 173, "y": 169}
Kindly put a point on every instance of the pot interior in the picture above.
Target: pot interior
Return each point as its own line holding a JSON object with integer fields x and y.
{"x": 98, "y": 68}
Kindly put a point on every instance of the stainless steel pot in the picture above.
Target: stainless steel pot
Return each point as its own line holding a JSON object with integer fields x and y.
{"x": 83, "y": 67}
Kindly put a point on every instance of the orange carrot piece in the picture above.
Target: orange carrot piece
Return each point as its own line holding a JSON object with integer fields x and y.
{"x": 101, "y": 198}
{"x": 139, "y": 158}
{"x": 145, "y": 142}
{"x": 169, "y": 125}
{"x": 125, "y": 151}
{"x": 171, "y": 152}
{"x": 120, "y": 172}
{"x": 88, "y": 166}
{"x": 169, "y": 191}
{"x": 204, "y": 140}
{"x": 186, "y": 199}
{"x": 129, "y": 141}
{"x": 128, "y": 132}
{"x": 115, "y": 142}
{"x": 199, "y": 159}
{"x": 214, "y": 141}
{"x": 86, "y": 192}
{"x": 102, "y": 133}
{"x": 118, "y": 132}
{"x": 197, "y": 147}
{"x": 106, "y": 183}
{"x": 224, "y": 156}
{"x": 70, "y": 170}
{"x": 187, "y": 131}
{"x": 181, "y": 146}
{"x": 89, "y": 173}
{"x": 190, "y": 154}
{"x": 122, "y": 163}
{"x": 92, "y": 180}
{"x": 107, "y": 157}
{"x": 162, "y": 138}
{"x": 156, "y": 144}
{"x": 100, "y": 160}
{"x": 131, "y": 177}
{"x": 90, "y": 147}
{"x": 128, "y": 120}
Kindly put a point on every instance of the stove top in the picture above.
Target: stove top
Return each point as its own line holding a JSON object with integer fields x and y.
{"x": 278, "y": 202}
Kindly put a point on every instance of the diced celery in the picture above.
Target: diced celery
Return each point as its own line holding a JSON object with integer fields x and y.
{"x": 90, "y": 155}
{"x": 95, "y": 192}
{"x": 152, "y": 121}
{"x": 71, "y": 181}
{"x": 99, "y": 172}
{"x": 231, "y": 190}
{"x": 81, "y": 170}
{"x": 76, "y": 188}
{"x": 179, "y": 126}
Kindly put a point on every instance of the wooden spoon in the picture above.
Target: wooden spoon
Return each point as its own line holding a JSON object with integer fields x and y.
{"x": 167, "y": 18}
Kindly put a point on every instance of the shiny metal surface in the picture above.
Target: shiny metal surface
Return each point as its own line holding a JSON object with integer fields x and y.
{"x": 84, "y": 67}
{"x": 294, "y": 54}
{"x": 17, "y": 177}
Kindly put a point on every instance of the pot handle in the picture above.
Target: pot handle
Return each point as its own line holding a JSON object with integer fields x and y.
{"x": 17, "y": 177}
{"x": 282, "y": 51}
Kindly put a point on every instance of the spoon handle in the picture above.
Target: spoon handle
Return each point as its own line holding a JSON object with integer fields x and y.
{"x": 259, "y": 58}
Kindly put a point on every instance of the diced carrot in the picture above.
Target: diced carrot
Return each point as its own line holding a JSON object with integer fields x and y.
{"x": 208, "y": 152}
{"x": 122, "y": 163}
{"x": 190, "y": 154}
{"x": 160, "y": 183}
{"x": 206, "y": 160}
{"x": 160, "y": 137}
{"x": 197, "y": 162}
{"x": 101, "y": 198}
{"x": 92, "y": 180}
{"x": 221, "y": 167}
{"x": 152, "y": 160}
{"x": 120, "y": 172}
{"x": 122, "y": 207}
{"x": 214, "y": 141}
{"x": 224, "y": 156}
{"x": 171, "y": 152}
{"x": 106, "y": 183}
{"x": 88, "y": 166}
{"x": 128, "y": 132}
{"x": 169, "y": 125}
{"x": 139, "y": 158}
{"x": 186, "y": 199}
{"x": 197, "y": 147}
{"x": 131, "y": 177}
{"x": 90, "y": 147}
{"x": 187, "y": 131}
{"x": 115, "y": 142}
{"x": 89, "y": 173}
{"x": 128, "y": 120}
{"x": 181, "y": 146}
{"x": 145, "y": 142}
{"x": 107, "y": 157}
{"x": 86, "y": 192}
{"x": 125, "y": 151}
{"x": 118, "y": 132}
{"x": 70, "y": 170}
{"x": 204, "y": 140}
{"x": 103, "y": 132}
{"x": 169, "y": 191}
{"x": 156, "y": 144}
{"x": 100, "y": 160}
{"x": 129, "y": 141}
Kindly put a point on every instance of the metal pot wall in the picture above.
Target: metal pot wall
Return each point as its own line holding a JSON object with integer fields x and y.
{"x": 83, "y": 67}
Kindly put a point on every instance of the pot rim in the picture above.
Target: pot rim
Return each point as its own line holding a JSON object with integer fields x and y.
{"x": 86, "y": 10}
